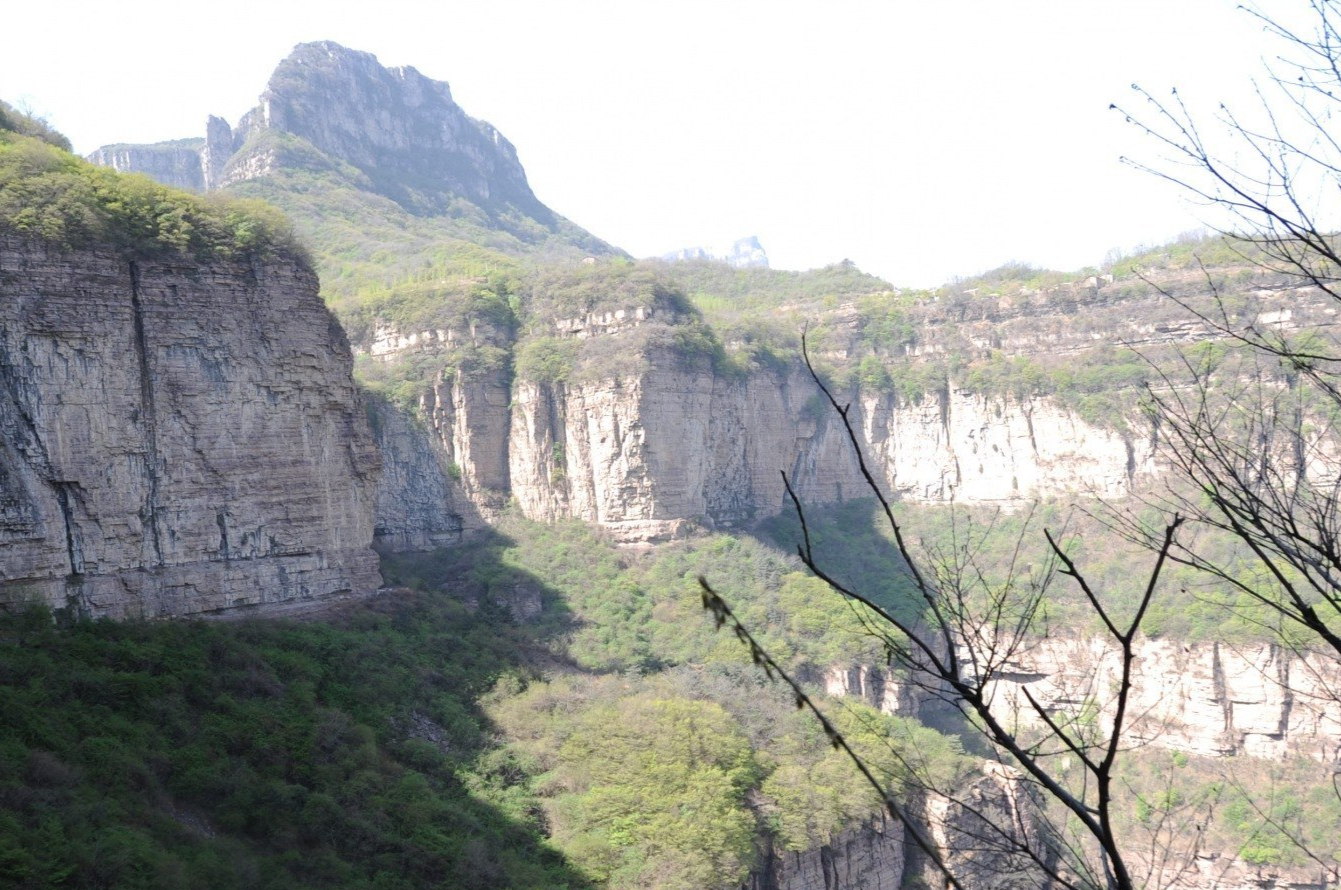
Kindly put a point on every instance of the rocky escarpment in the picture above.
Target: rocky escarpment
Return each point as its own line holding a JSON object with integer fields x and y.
{"x": 681, "y": 444}
{"x": 338, "y": 113}
{"x": 178, "y": 436}
{"x": 1211, "y": 699}
{"x": 678, "y": 443}
{"x": 175, "y": 164}
{"x": 870, "y": 857}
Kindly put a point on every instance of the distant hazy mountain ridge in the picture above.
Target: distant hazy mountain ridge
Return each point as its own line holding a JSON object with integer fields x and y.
{"x": 743, "y": 253}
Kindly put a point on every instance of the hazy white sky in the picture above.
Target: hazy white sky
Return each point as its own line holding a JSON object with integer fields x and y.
{"x": 920, "y": 139}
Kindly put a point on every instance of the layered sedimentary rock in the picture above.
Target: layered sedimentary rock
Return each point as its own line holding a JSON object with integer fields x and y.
{"x": 1213, "y": 699}
{"x": 870, "y": 857}
{"x": 678, "y": 445}
{"x": 176, "y": 436}
{"x": 420, "y": 504}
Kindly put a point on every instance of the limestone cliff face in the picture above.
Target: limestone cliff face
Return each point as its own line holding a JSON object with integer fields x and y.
{"x": 420, "y": 504}
{"x": 870, "y": 857}
{"x": 646, "y": 455}
{"x": 176, "y": 437}
{"x": 177, "y": 164}
{"x": 1212, "y": 699}
{"x": 678, "y": 444}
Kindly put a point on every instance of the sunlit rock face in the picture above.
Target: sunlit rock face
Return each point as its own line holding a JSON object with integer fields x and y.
{"x": 176, "y": 437}
{"x": 1212, "y": 699}
{"x": 338, "y": 112}
{"x": 645, "y": 456}
{"x": 679, "y": 445}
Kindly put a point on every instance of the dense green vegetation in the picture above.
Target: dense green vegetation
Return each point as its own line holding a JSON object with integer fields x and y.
{"x": 625, "y": 611}
{"x": 645, "y": 666}
{"x": 261, "y": 754}
{"x": 425, "y": 737}
{"x": 1253, "y": 809}
{"x": 646, "y": 782}
{"x": 353, "y": 751}
{"x": 48, "y": 193}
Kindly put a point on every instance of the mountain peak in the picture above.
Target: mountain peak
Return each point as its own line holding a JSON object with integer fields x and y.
{"x": 401, "y": 129}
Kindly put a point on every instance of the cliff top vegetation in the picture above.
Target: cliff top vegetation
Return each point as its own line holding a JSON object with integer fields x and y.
{"x": 49, "y": 194}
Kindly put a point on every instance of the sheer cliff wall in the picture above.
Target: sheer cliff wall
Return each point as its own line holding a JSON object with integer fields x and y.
{"x": 1211, "y": 699}
{"x": 176, "y": 437}
{"x": 680, "y": 444}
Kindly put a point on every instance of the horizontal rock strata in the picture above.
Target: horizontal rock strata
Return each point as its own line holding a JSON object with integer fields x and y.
{"x": 176, "y": 437}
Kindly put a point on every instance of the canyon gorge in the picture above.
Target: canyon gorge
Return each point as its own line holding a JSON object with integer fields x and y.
{"x": 190, "y": 429}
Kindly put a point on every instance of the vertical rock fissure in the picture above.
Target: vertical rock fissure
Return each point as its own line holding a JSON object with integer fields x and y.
{"x": 1027, "y": 409}
{"x": 73, "y": 547}
{"x": 1283, "y": 664}
{"x": 147, "y": 412}
{"x": 1222, "y": 693}
{"x": 222, "y": 521}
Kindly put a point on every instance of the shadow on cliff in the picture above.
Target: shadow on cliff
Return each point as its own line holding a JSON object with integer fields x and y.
{"x": 852, "y": 543}
{"x": 348, "y": 750}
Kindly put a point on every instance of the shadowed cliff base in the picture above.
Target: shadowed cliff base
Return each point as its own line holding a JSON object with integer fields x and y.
{"x": 347, "y": 751}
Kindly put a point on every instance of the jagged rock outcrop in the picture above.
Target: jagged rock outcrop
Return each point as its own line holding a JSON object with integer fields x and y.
{"x": 393, "y": 124}
{"x": 392, "y": 132}
{"x": 870, "y": 857}
{"x": 176, "y": 436}
{"x": 1212, "y": 699}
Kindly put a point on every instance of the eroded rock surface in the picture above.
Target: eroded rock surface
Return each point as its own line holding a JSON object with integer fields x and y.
{"x": 1212, "y": 699}
{"x": 644, "y": 456}
{"x": 870, "y": 857}
{"x": 176, "y": 436}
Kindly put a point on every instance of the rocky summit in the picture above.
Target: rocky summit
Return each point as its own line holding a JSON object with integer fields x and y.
{"x": 391, "y": 132}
